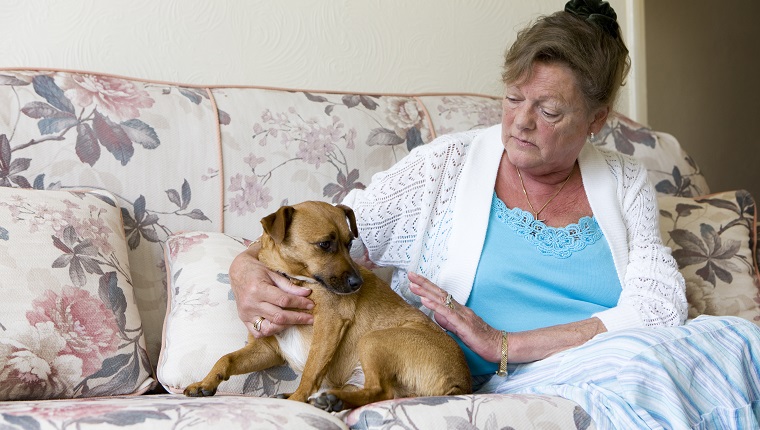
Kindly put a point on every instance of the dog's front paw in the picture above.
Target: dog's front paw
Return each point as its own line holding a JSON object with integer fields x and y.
{"x": 327, "y": 402}
{"x": 198, "y": 390}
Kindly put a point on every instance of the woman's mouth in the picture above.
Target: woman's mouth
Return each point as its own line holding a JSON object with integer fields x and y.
{"x": 522, "y": 142}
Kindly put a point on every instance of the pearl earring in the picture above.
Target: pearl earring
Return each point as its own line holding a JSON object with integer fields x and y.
{"x": 592, "y": 136}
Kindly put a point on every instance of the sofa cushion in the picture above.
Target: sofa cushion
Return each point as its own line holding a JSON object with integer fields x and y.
{"x": 283, "y": 147}
{"x": 671, "y": 170}
{"x": 202, "y": 323}
{"x": 713, "y": 240}
{"x": 69, "y": 325}
{"x": 167, "y": 411}
{"x": 482, "y": 411}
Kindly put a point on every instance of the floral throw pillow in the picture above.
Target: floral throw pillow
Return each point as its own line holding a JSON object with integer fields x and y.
{"x": 713, "y": 241}
{"x": 69, "y": 326}
{"x": 202, "y": 323}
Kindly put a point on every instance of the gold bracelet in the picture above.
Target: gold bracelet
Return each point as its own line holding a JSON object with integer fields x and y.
{"x": 504, "y": 355}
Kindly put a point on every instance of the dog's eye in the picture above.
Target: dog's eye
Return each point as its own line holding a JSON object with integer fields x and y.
{"x": 326, "y": 245}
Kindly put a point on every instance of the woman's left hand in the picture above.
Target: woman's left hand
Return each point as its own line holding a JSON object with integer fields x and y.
{"x": 480, "y": 337}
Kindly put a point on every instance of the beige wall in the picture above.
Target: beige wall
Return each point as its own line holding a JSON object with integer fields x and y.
{"x": 703, "y": 81}
{"x": 352, "y": 45}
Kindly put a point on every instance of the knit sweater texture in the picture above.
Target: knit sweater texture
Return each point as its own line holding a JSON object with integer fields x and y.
{"x": 429, "y": 213}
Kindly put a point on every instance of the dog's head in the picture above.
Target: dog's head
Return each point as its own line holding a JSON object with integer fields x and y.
{"x": 312, "y": 239}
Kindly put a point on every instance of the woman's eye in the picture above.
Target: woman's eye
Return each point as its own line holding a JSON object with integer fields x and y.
{"x": 549, "y": 115}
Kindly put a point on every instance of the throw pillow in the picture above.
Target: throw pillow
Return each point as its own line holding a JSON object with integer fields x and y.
{"x": 202, "y": 322}
{"x": 69, "y": 326}
{"x": 713, "y": 239}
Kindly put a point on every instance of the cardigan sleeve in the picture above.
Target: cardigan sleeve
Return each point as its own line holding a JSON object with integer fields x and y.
{"x": 393, "y": 211}
{"x": 653, "y": 291}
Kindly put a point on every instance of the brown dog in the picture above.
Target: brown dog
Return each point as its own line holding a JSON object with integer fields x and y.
{"x": 358, "y": 318}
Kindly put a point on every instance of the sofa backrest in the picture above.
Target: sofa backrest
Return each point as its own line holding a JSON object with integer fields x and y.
{"x": 181, "y": 157}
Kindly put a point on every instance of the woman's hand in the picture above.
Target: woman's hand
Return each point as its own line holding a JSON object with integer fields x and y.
{"x": 261, "y": 293}
{"x": 484, "y": 340}
{"x": 480, "y": 337}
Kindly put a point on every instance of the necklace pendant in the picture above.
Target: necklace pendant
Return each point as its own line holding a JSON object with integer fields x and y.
{"x": 535, "y": 217}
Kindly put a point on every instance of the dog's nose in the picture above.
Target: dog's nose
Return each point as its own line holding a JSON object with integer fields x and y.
{"x": 354, "y": 282}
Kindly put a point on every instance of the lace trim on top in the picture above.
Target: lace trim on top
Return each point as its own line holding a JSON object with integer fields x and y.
{"x": 559, "y": 242}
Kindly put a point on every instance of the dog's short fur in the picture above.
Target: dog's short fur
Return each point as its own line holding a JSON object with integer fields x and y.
{"x": 358, "y": 318}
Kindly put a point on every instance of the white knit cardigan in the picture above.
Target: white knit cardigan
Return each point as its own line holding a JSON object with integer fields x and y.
{"x": 429, "y": 214}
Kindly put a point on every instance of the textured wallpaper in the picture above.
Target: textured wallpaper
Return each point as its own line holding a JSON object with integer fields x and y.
{"x": 354, "y": 45}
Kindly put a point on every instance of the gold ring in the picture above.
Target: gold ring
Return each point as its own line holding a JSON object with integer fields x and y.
{"x": 449, "y": 302}
{"x": 257, "y": 323}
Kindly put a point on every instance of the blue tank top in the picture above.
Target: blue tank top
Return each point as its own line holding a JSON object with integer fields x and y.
{"x": 531, "y": 275}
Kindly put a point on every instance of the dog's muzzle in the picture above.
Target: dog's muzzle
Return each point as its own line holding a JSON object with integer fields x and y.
{"x": 347, "y": 284}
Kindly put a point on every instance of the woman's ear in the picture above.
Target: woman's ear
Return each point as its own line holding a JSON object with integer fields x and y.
{"x": 600, "y": 117}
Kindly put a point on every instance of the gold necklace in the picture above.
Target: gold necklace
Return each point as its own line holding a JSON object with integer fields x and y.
{"x": 536, "y": 213}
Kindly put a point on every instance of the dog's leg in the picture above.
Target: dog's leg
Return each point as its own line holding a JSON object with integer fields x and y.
{"x": 328, "y": 335}
{"x": 415, "y": 366}
{"x": 378, "y": 385}
{"x": 256, "y": 355}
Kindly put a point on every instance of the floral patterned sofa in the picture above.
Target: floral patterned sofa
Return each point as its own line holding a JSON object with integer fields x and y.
{"x": 123, "y": 202}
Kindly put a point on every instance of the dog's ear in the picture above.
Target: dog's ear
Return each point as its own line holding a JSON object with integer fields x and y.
{"x": 351, "y": 219}
{"x": 276, "y": 225}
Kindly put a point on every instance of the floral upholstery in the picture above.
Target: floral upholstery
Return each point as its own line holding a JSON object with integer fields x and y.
{"x": 152, "y": 146}
{"x": 169, "y": 412}
{"x": 712, "y": 238}
{"x": 482, "y": 411}
{"x": 69, "y": 324}
{"x": 295, "y": 146}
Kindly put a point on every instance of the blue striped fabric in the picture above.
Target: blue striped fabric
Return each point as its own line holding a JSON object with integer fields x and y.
{"x": 702, "y": 375}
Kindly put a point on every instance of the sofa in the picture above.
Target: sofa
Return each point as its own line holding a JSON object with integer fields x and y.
{"x": 123, "y": 202}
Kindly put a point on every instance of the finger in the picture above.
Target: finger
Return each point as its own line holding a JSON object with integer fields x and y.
{"x": 286, "y": 285}
{"x": 432, "y": 293}
{"x": 284, "y": 317}
{"x": 426, "y": 287}
{"x": 281, "y": 293}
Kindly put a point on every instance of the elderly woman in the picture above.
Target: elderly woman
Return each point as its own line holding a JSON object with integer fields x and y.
{"x": 541, "y": 254}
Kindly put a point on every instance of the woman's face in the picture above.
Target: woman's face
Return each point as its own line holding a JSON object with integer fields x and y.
{"x": 545, "y": 121}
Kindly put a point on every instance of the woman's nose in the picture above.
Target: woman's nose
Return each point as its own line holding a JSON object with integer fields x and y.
{"x": 524, "y": 118}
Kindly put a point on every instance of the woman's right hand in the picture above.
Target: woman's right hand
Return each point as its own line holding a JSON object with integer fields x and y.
{"x": 260, "y": 292}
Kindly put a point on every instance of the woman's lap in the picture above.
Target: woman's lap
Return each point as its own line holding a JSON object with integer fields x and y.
{"x": 707, "y": 370}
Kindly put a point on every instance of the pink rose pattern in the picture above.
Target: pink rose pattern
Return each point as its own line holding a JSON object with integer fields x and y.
{"x": 185, "y": 243}
{"x": 84, "y": 322}
{"x": 325, "y": 141}
{"x": 33, "y": 364}
{"x": 73, "y": 338}
{"x": 103, "y": 113}
{"x": 116, "y": 98}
